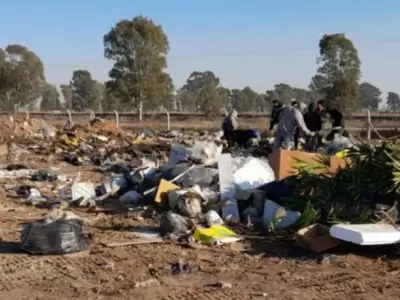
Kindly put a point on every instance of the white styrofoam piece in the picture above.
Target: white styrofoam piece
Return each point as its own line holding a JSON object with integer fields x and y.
{"x": 83, "y": 190}
{"x": 253, "y": 173}
{"x": 366, "y": 234}
{"x": 230, "y": 211}
{"x": 270, "y": 209}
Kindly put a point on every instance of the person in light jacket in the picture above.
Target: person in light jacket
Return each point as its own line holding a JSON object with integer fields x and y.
{"x": 290, "y": 119}
{"x": 229, "y": 125}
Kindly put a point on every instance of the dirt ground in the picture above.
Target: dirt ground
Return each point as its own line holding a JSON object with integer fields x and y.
{"x": 261, "y": 268}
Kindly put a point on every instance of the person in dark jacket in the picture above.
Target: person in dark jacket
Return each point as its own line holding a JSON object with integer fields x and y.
{"x": 229, "y": 125}
{"x": 314, "y": 123}
{"x": 275, "y": 114}
{"x": 297, "y": 133}
{"x": 337, "y": 123}
{"x": 312, "y": 119}
{"x": 332, "y": 115}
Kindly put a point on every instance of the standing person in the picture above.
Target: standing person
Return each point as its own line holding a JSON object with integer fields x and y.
{"x": 275, "y": 114}
{"x": 291, "y": 118}
{"x": 331, "y": 120}
{"x": 337, "y": 123}
{"x": 229, "y": 125}
{"x": 314, "y": 124}
{"x": 297, "y": 133}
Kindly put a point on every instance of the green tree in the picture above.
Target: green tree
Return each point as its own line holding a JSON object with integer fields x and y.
{"x": 339, "y": 65}
{"x": 21, "y": 77}
{"x": 285, "y": 93}
{"x": 85, "y": 92}
{"x": 66, "y": 92}
{"x": 302, "y": 95}
{"x": 393, "y": 101}
{"x": 238, "y": 100}
{"x": 369, "y": 96}
{"x": 262, "y": 103}
{"x": 139, "y": 49}
{"x": 201, "y": 91}
{"x": 316, "y": 87}
{"x": 50, "y": 98}
{"x": 251, "y": 99}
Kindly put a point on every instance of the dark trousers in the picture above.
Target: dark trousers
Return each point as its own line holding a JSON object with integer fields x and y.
{"x": 296, "y": 138}
{"x": 331, "y": 135}
{"x": 230, "y": 137}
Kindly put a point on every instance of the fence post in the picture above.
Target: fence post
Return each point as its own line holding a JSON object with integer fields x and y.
{"x": 168, "y": 119}
{"x": 116, "y": 118}
{"x": 140, "y": 111}
{"x": 69, "y": 123}
{"x": 27, "y": 114}
{"x": 369, "y": 125}
{"x": 92, "y": 115}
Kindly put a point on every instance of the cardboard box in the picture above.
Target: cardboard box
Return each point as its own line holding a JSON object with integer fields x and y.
{"x": 316, "y": 238}
{"x": 283, "y": 161}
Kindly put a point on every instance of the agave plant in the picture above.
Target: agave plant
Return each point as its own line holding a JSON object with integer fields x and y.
{"x": 350, "y": 195}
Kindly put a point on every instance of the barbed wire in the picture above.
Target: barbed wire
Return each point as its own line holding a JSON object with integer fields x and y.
{"x": 247, "y": 52}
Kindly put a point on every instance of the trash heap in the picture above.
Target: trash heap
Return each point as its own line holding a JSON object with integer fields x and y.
{"x": 199, "y": 192}
{"x": 26, "y": 127}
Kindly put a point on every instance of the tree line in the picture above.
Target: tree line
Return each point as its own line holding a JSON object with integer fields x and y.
{"x": 138, "y": 80}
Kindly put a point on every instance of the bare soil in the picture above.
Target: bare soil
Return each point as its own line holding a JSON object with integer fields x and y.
{"x": 254, "y": 269}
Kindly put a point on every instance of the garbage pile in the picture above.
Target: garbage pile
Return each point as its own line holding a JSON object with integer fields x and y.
{"x": 26, "y": 127}
{"x": 200, "y": 191}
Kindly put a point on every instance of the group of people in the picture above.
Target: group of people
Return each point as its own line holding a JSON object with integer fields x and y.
{"x": 316, "y": 122}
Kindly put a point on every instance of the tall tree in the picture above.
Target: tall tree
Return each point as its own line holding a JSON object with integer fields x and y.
{"x": 263, "y": 103}
{"x": 202, "y": 92}
{"x": 50, "y": 98}
{"x": 285, "y": 93}
{"x": 339, "y": 65}
{"x": 317, "y": 86}
{"x": 302, "y": 95}
{"x": 139, "y": 49}
{"x": 66, "y": 92}
{"x": 393, "y": 101}
{"x": 369, "y": 96}
{"x": 251, "y": 98}
{"x": 21, "y": 76}
{"x": 238, "y": 100}
{"x": 85, "y": 92}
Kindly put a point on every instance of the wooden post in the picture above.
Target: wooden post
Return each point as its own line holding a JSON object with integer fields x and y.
{"x": 369, "y": 125}
{"x": 116, "y": 118}
{"x": 168, "y": 119}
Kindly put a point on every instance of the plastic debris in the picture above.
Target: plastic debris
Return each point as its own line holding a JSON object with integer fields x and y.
{"x": 215, "y": 235}
{"x": 58, "y": 237}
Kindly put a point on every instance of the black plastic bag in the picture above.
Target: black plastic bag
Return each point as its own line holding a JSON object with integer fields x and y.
{"x": 58, "y": 237}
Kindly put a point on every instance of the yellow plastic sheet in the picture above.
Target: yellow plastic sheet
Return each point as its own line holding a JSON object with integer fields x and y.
{"x": 216, "y": 234}
{"x": 73, "y": 141}
{"x": 343, "y": 153}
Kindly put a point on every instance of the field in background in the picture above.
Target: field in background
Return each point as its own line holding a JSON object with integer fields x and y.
{"x": 385, "y": 123}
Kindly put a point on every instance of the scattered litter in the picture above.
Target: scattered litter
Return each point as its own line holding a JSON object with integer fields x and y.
{"x": 173, "y": 223}
{"x": 316, "y": 238}
{"x": 213, "y": 218}
{"x": 230, "y": 210}
{"x": 366, "y": 234}
{"x": 148, "y": 283}
{"x": 181, "y": 268}
{"x": 277, "y": 217}
{"x": 215, "y": 235}
{"x": 58, "y": 237}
